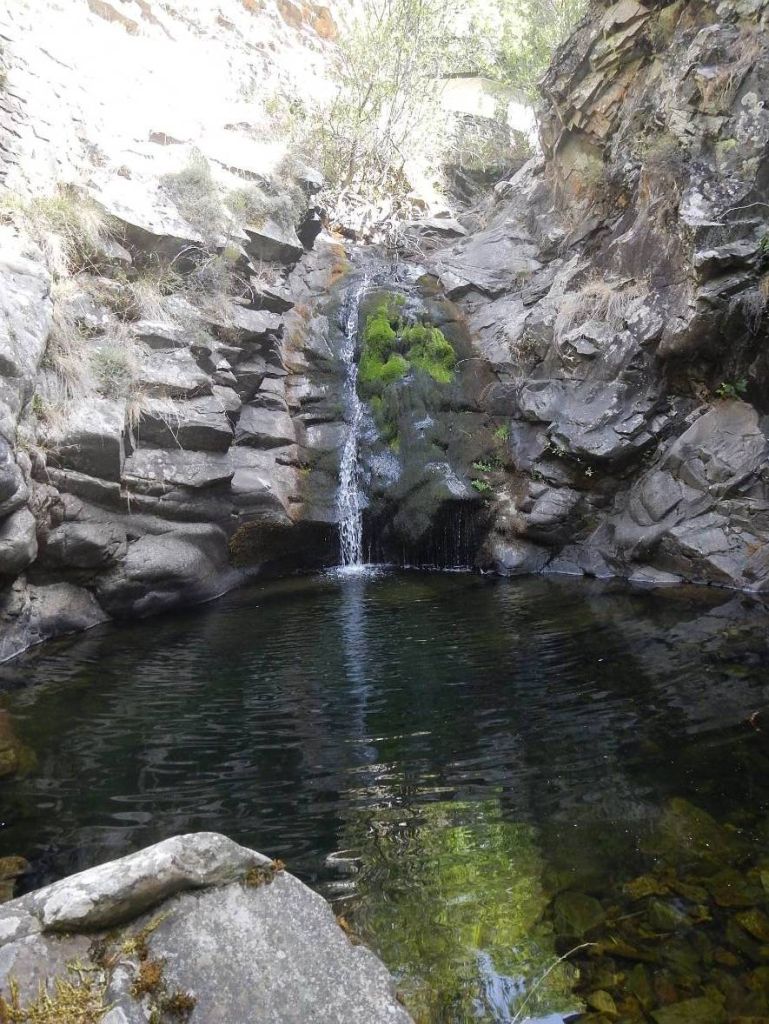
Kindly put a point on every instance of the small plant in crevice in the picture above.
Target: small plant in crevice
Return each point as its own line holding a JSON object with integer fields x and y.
{"x": 753, "y": 304}
{"x": 664, "y": 164}
{"x": 263, "y": 874}
{"x": 731, "y": 390}
{"x": 718, "y": 85}
{"x": 64, "y": 1001}
{"x": 502, "y": 434}
{"x": 481, "y": 486}
{"x": 385, "y": 415}
{"x": 254, "y": 205}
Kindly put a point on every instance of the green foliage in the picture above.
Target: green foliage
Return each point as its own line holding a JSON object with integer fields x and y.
{"x": 483, "y": 467}
{"x": 379, "y": 335}
{"x": 428, "y": 349}
{"x": 502, "y": 433}
{"x": 732, "y": 389}
{"x": 527, "y": 37}
{"x": 391, "y": 348}
{"x": 375, "y": 373}
{"x": 481, "y": 486}
{"x": 763, "y": 245}
{"x": 388, "y": 64}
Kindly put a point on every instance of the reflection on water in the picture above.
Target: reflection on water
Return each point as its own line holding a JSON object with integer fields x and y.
{"x": 452, "y": 895}
{"x": 492, "y": 755}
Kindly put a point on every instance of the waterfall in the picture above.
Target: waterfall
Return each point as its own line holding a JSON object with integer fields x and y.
{"x": 348, "y": 500}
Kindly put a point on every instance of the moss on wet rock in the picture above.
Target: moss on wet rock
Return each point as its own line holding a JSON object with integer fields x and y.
{"x": 392, "y": 347}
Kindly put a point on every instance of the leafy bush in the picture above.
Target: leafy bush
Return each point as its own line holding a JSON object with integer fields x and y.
{"x": 387, "y": 67}
{"x": 732, "y": 389}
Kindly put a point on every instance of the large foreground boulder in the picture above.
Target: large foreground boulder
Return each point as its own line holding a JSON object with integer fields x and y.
{"x": 195, "y": 928}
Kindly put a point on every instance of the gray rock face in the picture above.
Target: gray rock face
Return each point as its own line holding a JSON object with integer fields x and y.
{"x": 271, "y": 241}
{"x": 137, "y": 499}
{"x": 183, "y": 562}
{"x": 202, "y": 424}
{"x": 85, "y": 545}
{"x": 615, "y": 288}
{"x": 264, "y": 428}
{"x": 139, "y": 322}
{"x": 31, "y": 613}
{"x": 95, "y": 440}
{"x": 18, "y": 542}
{"x": 239, "y": 938}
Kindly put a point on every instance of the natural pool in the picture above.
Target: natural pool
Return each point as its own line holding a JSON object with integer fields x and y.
{"x": 512, "y": 769}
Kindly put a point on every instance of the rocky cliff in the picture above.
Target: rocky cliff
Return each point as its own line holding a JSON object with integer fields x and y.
{"x": 619, "y": 287}
{"x": 172, "y": 410}
{"x": 165, "y": 371}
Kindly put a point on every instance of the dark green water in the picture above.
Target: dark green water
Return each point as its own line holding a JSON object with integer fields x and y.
{"x": 500, "y": 759}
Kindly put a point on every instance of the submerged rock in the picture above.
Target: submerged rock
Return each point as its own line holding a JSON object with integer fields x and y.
{"x": 201, "y": 929}
{"x": 577, "y": 914}
{"x": 688, "y": 834}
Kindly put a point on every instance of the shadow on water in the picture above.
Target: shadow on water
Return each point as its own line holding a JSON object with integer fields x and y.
{"x": 473, "y": 770}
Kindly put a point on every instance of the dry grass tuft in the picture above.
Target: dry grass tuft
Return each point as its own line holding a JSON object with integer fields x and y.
{"x": 598, "y": 299}
{"x": 718, "y": 85}
{"x": 196, "y": 196}
{"x": 68, "y": 226}
{"x": 254, "y": 206}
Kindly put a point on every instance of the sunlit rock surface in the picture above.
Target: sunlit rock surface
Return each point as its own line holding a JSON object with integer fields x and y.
{"x": 195, "y": 927}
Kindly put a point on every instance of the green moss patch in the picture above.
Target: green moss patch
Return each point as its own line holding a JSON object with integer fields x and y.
{"x": 391, "y": 348}
{"x": 428, "y": 349}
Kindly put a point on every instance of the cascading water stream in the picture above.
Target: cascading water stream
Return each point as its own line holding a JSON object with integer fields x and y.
{"x": 348, "y": 500}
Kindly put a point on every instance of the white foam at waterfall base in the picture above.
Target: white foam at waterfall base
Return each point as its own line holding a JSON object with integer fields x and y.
{"x": 348, "y": 501}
